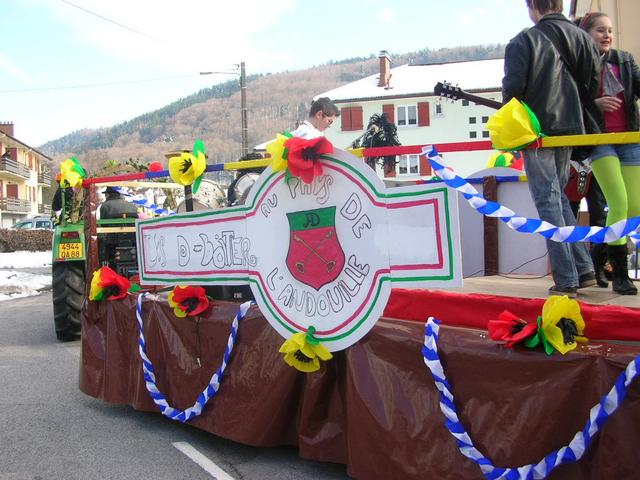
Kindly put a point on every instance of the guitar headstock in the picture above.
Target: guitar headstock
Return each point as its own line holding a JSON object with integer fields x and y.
{"x": 446, "y": 90}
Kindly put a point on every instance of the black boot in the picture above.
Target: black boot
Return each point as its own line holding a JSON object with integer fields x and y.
{"x": 621, "y": 283}
{"x": 599, "y": 257}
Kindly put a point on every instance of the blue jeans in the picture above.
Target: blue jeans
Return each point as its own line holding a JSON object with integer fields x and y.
{"x": 547, "y": 174}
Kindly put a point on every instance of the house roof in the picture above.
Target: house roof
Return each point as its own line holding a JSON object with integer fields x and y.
{"x": 12, "y": 142}
{"x": 419, "y": 80}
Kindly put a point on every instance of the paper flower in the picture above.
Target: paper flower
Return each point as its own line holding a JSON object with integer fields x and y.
{"x": 278, "y": 152}
{"x": 155, "y": 167}
{"x": 303, "y": 157}
{"x": 514, "y": 126}
{"x": 303, "y": 351}
{"x": 108, "y": 284}
{"x": 562, "y": 323}
{"x": 188, "y": 167}
{"x": 506, "y": 159}
{"x": 510, "y": 329}
{"x": 71, "y": 173}
{"x": 188, "y": 301}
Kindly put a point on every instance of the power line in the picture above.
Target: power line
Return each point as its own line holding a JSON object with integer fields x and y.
{"x": 107, "y": 84}
{"x": 107, "y": 19}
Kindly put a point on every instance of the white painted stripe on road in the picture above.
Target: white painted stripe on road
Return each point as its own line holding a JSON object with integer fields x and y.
{"x": 211, "y": 468}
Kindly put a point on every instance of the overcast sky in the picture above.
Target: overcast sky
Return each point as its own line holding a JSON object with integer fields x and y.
{"x": 72, "y": 64}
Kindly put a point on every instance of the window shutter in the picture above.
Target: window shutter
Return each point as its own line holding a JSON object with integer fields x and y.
{"x": 425, "y": 168}
{"x": 389, "y": 111}
{"x": 356, "y": 118}
{"x": 423, "y": 114}
{"x": 345, "y": 119}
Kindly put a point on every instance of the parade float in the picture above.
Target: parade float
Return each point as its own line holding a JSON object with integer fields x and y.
{"x": 353, "y": 350}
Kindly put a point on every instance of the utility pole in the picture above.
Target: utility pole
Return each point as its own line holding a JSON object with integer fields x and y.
{"x": 243, "y": 109}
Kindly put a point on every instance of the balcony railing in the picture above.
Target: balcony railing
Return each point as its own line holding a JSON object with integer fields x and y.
{"x": 44, "y": 178}
{"x": 7, "y": 165}
{"x": 15, "y": 205}
{"x": 44, "y": 209}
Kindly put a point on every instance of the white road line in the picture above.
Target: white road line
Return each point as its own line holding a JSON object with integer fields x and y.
{"x": 208, "y": 466}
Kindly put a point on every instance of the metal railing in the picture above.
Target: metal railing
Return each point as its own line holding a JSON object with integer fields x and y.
{"x": 15, "y": 205}
{"x": 44, "y": 178}
{"x": 8, "y": 165}
{"x": 44, "y": 209}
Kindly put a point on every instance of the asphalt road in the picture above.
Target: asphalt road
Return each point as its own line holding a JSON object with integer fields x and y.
{"x": 50, "y": 430}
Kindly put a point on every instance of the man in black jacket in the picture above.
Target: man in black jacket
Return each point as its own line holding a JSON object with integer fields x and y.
{"x": 553, "y": 67}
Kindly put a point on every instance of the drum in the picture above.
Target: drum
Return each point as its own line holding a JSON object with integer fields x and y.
{"x": 209, "y": 196}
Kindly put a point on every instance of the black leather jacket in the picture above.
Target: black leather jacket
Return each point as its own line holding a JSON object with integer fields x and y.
{"x": 536, "y": 74}
{"x": 630, "y": 80}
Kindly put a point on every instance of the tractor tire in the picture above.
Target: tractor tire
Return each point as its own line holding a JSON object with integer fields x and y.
{"x": 68, "y": 281}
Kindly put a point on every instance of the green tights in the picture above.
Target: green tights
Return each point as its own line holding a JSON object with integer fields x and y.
{"x": 621, "y": 188}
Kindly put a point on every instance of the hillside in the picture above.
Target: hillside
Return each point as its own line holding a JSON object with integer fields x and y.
{"x": 275, "y": 102}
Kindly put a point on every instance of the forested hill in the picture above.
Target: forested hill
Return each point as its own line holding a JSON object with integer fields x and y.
{"x": 275, "y": 102}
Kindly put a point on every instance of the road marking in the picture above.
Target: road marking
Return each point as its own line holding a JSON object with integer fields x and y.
{"x": 211, "y": 468}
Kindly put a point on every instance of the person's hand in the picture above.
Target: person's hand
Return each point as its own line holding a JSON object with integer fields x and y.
{"x": 608, "y": 104}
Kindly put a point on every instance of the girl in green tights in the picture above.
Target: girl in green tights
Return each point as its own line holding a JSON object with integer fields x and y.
{"x": 617, "y": 167}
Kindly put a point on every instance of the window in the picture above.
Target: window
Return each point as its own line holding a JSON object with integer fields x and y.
{"x": 485, "y": 119}
{"x": 407, "y": 115}
{"x": 438, "y": 108}
{"x": 351, "y": 119}
{"x": 465, "y": 103}
{"x": 43, "y": 224}
{"x": 473, "y": 134}
{"x": 472, "y": 119}
{"x": 408, "y": 165}
{"x": 485, "y": 134}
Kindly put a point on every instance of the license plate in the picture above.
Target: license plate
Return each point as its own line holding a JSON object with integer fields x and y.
{"x": 70, "y": 250}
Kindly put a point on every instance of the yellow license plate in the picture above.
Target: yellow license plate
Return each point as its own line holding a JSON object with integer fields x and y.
{"x": 70, "y": 250}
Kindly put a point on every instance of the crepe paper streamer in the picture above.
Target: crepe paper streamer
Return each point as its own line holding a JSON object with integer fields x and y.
{"x": 572, "y": 452}
{"x": 567, "y": 234}
{"x": 141, "y": 201}
{"x": 214, "y": 384}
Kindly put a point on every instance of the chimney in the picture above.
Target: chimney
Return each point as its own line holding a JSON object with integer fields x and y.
{"x": 7, "y": 128}
{"x": 385, "y": 69}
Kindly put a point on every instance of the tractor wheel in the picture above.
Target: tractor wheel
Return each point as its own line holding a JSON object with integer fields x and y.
{"x": 68, "y": 296}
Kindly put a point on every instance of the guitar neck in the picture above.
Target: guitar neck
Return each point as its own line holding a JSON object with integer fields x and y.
{"x": 456, "y": 93}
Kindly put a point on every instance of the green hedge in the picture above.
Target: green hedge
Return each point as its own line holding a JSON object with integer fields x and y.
{"x": 31, "y": 240}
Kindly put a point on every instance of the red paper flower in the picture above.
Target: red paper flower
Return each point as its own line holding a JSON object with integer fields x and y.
{"x": 155, "y": 167}
{"x": 510, "y": 329}
{"x": 108, "y": 284}
{"x": 304, "y": 156}
{"x": 188, "y": 301}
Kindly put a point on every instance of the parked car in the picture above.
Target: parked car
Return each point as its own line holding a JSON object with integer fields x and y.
{"x": 34, "y": 223}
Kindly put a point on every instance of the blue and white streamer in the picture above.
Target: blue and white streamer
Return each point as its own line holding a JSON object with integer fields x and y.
{"x": 211, "y": 389}
{"x": 623, "y": 228}
{"x": 142, "y": 201}
{"x": 570, "y": 453}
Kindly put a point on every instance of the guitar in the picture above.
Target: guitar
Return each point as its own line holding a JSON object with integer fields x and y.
{"x": 447, "y": 90}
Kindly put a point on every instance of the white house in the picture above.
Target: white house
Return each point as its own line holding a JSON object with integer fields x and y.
{"x": 406, "y": 95}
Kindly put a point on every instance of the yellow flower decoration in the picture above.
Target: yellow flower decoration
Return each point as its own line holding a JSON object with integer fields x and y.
{"x": 514, "y": 126}
{"x": 71, "y": 173}
{"x": 278, "y": 152}
{"x": 186, "y": 167}
{"x": 562, "y": 323}
{"x": 303, "y": 351}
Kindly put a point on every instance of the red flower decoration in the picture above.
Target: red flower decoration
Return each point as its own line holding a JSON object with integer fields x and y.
{"x": 510, "y": 329}
{"x": 155, "y": 167}
{"x": 188, "y": 301}
{"x": 303, "y": 156}
{"x": 108, "y": 284}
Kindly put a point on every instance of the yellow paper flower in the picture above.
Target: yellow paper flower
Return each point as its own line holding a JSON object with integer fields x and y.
{"x": 71, "y": 173}
{"x": 186, "y": 167}
{"x": 277, "y": 152}
{"x": 562, "y": 323}
{"x": 303, "y": 351}
{"x": 513, "y": 127}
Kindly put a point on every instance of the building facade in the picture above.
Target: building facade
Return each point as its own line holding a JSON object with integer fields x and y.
{"x": 406, "y": 95}
{"x": 24, "y": 172}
